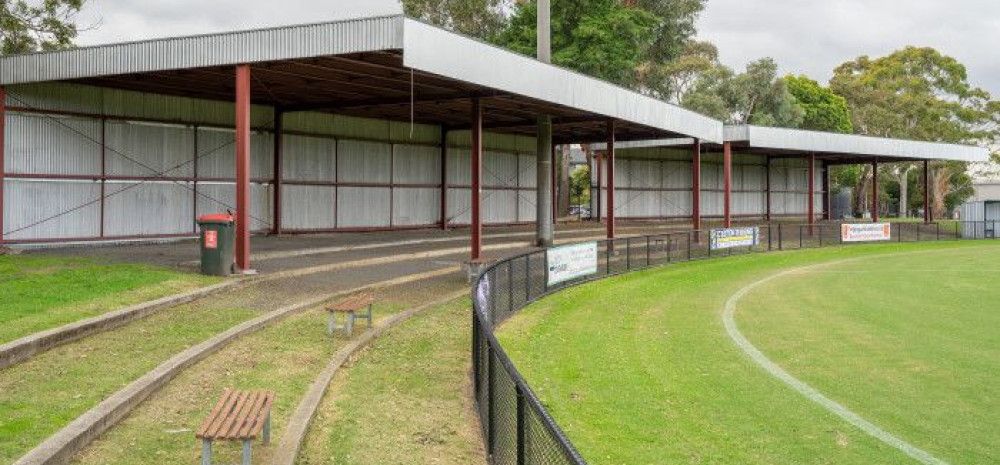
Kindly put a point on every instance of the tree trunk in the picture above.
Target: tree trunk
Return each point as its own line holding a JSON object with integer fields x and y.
{"x": 903, "y": 177}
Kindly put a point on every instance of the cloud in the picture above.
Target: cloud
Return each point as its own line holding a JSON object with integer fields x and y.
{"x": 813, "y": 37}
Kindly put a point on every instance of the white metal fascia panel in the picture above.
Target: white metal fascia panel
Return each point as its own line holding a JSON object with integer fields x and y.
{"x": 252, "y": 46}
{"x": 430, "y": 49}
{"x": 824, "y": 142}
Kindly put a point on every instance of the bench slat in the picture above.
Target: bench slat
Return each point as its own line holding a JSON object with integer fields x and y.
{"x": 353, "y": 303}
{"x": 228, "y": 416}
{"x": 219, "y": 417}
{"x": 242, "y": 427}
{"x": 226, "y": 394}
{"x": 239, "y": 414}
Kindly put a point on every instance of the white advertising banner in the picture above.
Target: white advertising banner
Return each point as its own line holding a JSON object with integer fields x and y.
{"x": 865, "y": 232}
{"x": 734, "y": 237}
{"x": 571, "y": 262}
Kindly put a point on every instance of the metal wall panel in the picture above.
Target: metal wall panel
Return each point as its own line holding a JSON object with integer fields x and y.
{"x": 308, "y": 207}
{"x": 216, "y": 197}
{"x": 416, "y": 206}
{"x": 141, "y": 149}
{"x": 415, "y": 164}
{"x": 217, "y": 154}
{"x": 527, "y": 209}
{"x": 676, "y": 203}
{"x": 499, "y": 206}
{"x": 459, "y": 167}
{"x": 528, "y": 176}
{"x": 52, "y": 144}
{"x": 56, "y": 96}
{"x": 148, "y": 208}
{"x": 459, "y": 205}
{"x": 309, "y": 158}
{"x": 368, "y": 162}
{"x": 363, "y": 207}
{"x": 30, "y": 202}
{"x": 500, "y": 169}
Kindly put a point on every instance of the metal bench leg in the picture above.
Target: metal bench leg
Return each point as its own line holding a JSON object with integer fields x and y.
{"x": 349, "y": 329}
{"x": 206, "y": 452}
{"x": 331, "y": 324}
{"x": 267, "y": 430}
{"x": 369, "y": 316}
{"x": 246, "y": 452}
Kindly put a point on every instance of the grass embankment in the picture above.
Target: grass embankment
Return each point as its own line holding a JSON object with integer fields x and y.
{"x": 638, "y": 369}
{"x": 43, "y": 292}
{"x": 911, "y": 340}
{"x": 405, "y": 400}
{"x": 285, "y": 358}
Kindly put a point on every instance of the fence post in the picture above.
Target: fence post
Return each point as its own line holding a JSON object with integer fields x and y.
{"x": 545, "y": 275}
{"x": 628, "y": 253}
{"x": 821, "y": 235}
{"x": 647, "y": 251}
{"x": 937, "y": 231}
{"x": 490, "y": 432}
{"x": 800, "y": 236}
{"x": 607, "y": 256}
{"x": 769, "y": 237}
{"x": 781, "y": 239}
{"x": 522, "y": 451}
{"x": 670, "y": 248}
{"x": 527, "y": 278}
{"x": 510, "y": 286}
{"x": 475, "y": 352}
{"x": 689, "y": 246}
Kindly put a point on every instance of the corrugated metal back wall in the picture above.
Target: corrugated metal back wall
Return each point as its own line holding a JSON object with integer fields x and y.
{"x": 339, "y": 173}
{"x": 656, "y": 183}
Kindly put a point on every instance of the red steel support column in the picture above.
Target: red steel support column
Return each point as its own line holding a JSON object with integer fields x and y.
{"x": 444, "y": 178}
{"x": 811, "y": 203}
{"x": 928, "y": 216}
{"x": 727, "y": 184}
{"x": 279, "y": 123}
{"x": 767, "y": 188}
{"x": 477, "y": 171}
{"x": 3, "y": 124}
{"x": 611, "y": 179}
{"x": 696, "y": 185}
{"x": 874, "y": 192}
{"x": 243, "y": 167}
{"x": 599, "y": 161}
{"x": 827, "y": 195}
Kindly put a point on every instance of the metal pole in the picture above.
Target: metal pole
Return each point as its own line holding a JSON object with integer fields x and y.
{"x": 444, "y": 178}
{"x": 543, "y": 202}
{"x": 875, "y": 192}
{"x": 767, "y": 190}
{"x": 927, "y": 192}
{"x": 827, "y": 199}
{"x": 696, "y": 185}
{"x": 279, "y": 117}
{"x": 521, "y": 442}
{"x": 3, "y": 124}
{"x": 727, "y": 183}
{"x": 544, "y": 31}
{"x": 611, "y": 179}
{"x": 811, "y": 203}
{"x": 104, "y": 171}
{"x": 477, "y": 171}
{"x": 243, "y": 167}
{"x": 598, "y": 160}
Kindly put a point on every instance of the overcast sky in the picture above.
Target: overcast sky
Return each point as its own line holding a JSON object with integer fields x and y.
{"x": 810, "y": 37}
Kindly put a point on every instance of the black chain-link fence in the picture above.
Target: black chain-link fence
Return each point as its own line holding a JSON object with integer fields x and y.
{"x": 517, "y": 428}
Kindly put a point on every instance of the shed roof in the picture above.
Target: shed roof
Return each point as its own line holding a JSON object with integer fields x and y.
{"x": 389, "y": 67}
{"x": 833, "y": 147}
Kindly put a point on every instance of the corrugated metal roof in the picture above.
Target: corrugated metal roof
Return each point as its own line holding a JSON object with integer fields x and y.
{"x": 252, "y": 46}
{"x": 825, "y": 142}
{"x": 438, "y": 51}
{"x": 425, "y": 47}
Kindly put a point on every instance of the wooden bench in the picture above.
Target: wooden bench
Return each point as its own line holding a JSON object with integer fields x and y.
{"x": 238, "y": 416}
{"x": 352, "y": 306}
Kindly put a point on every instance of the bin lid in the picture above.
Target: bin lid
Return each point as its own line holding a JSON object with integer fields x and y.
{"x": 216, "y": 218}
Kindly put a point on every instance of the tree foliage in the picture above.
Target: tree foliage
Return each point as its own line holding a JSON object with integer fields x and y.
{"x": 823, "y": 109}
{"x": 755, "y": 96}
{"x": 31, "y": 26}
{"x": 602, "y": 38}
{"x": 477, "y": 18}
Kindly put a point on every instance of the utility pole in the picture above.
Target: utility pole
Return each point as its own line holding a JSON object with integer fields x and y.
{"x": 543, "y": 215}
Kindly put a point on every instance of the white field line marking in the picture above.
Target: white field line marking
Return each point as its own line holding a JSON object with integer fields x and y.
{"x": 806, "y": 390}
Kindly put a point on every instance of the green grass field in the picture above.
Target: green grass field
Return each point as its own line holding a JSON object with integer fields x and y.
{"x": 639, "y": 369}
{"x": 43, "y": 292}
